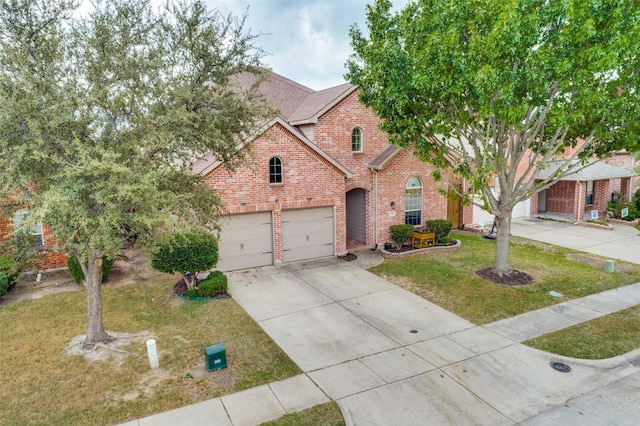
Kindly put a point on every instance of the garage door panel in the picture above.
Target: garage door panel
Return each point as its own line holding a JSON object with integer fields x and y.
{"x": 307, "y": 234}
{"x": 246, "y": 241}
{"x": 313, "y": 226}
{"x": 247, "y": 233}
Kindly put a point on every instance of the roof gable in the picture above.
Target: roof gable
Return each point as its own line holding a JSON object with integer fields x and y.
{"x": 208, "y": 162}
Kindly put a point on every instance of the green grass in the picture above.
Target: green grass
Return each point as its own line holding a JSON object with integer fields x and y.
{"x": 42, "y": 385}
{"x": 321, "y": 415}
{"x": 604, "y": 337}
{"x": 448, "y": 278}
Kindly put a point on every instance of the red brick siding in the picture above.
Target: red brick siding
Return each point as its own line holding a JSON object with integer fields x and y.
{"x": 48, "y": 258}
{"x": 332, "y": 134}
{"x": 628, "y": 186}
{"x": 560, "y": 197}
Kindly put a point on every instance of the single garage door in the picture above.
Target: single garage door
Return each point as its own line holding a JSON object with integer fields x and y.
{"x": 307, "y": 234}
{"x": 246, "y": 241}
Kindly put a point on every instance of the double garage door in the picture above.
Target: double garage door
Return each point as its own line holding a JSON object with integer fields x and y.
{"x": 247, "y": 240}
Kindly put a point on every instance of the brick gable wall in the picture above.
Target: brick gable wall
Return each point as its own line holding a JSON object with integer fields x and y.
{"x": 332, "y": 134}
{"x": 308, "y": 181}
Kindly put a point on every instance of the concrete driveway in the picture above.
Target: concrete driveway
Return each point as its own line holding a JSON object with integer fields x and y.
{"x": 388, "y": 356}
{"x": 622, "y": 243}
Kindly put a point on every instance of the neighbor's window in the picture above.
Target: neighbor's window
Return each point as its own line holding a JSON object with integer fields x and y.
{"x": 356, "y": 140}
{"x": 413, "y": 202}
{"x": 19, "y": 216}
{"x": 589, "y": 192}
{"x": 275, "y": 170}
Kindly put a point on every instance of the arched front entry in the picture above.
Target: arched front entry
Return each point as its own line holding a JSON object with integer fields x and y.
{"x": 357, "y": 215}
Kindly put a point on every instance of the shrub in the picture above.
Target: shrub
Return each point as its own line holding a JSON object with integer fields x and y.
{"x": 441, "y": 227}
{"x": 76, "y": 270}
{"x": 4, "y": 285}
{"x": 614, "y": 209}
{"x": 401, "y": 234}
{"x": 9, "y": 272}
{"x": 214, "y": 284}
{"x": 187, "y": 254}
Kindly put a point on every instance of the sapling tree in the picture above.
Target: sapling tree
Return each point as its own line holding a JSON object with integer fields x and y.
{"x": 188, "y": 254}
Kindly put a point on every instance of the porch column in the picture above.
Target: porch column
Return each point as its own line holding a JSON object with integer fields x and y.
{"x": 625, "y": 190}
{"x": 579, "y": 201}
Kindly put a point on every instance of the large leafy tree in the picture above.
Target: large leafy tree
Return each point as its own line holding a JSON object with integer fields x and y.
{"x": 102, "y": 114}
{"x": 495, "y": 89}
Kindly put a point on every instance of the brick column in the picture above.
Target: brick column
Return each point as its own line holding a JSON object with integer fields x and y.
{"x": 625, "y": 192}
{"x": 579, "y": 200}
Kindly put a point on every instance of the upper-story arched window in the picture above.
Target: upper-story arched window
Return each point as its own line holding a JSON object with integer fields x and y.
{"x": 356, "y": 140}
{"x": 275, "y": 170}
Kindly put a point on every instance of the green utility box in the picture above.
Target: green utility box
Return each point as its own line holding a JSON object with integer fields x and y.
{"x": 216, "y": 357}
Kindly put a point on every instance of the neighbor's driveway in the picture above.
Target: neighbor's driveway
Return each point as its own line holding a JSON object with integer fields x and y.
{"x": 622, "y": 243}
{"x": 388, "y": 356}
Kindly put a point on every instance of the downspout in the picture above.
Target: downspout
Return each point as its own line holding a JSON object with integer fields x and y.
{"x": 464, "y": 190}
{"x": 579, "y": 183}
{"x": 376, "y": 208}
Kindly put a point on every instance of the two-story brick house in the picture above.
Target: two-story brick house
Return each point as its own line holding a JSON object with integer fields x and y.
{"x": 322, "y": 179}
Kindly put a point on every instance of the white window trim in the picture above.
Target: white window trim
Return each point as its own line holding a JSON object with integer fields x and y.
{"x": 361, "y": 140}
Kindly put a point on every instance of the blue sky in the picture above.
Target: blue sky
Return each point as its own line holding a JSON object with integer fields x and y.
{"x": 307, "y": 41}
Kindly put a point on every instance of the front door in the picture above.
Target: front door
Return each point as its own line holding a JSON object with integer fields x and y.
{"x": 454, "y": 211}
{"x": 542, "y": 201}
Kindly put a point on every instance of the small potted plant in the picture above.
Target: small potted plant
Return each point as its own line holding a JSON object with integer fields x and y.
{"x": 387, "y": 245}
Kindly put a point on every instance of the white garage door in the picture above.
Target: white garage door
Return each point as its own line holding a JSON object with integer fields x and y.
{"x": 307, "y": 234}
{"x": 246, "y": 241}
{"x": 519, "y": 210}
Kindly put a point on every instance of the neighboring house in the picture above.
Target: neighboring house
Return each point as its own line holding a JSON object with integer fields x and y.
{"x": 42, "y": 237}
{"x": 584, "y": 195}
{"x": 322, "y": 179}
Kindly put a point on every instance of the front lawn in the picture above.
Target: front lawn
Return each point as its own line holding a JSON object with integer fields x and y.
{"x": 42, "y": 384}
{"x": 448, "y": 278}
{"x": 600, "y": 338}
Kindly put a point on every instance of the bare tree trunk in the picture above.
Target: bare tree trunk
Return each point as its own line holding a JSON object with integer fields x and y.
{"x": 501, "y": 262}
{"x": 93, "y": 279}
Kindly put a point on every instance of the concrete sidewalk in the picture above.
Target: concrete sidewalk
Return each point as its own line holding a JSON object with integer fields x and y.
{"x": 388, "y": 356}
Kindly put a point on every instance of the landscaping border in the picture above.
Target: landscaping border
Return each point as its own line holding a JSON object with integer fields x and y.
{"x": 455, "y": 246}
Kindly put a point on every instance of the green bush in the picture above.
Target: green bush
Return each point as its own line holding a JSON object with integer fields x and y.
{"x": 400, "y": 234}
{"x": 9, "y": 272}
{"x": 214, "y": 284}
{"x": 76, "y": 270}
{"x": 441, "y": 227}
{"x": 187, "y": 254}
{"x": 614, "y": 208}
{"x": 4, "y": 285}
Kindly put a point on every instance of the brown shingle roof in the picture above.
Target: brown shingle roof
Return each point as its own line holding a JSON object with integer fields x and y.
{"x": 382, "y": 158}
{"x": 285, "y": 95}
{"x": 295, "y": 103}
{"x": 318, "y": 102}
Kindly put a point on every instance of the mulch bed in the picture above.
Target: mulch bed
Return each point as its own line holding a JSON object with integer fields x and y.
{"x": 181, "y": 287}
{"x": 514, "y": 278}
{"x": 349, "y": 257}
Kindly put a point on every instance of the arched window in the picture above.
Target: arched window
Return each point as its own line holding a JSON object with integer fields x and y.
{"x": 275, "y": 170}
{"x": 356, "y": 140}
{"x": 413, "y": 202}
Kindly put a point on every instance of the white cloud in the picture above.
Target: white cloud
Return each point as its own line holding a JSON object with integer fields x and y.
{"x": 308, "y": 41}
